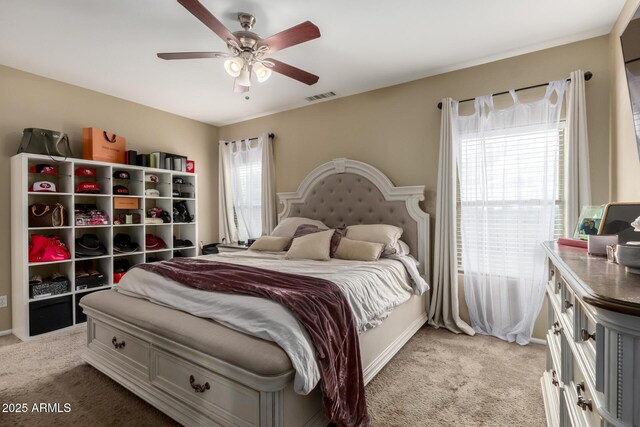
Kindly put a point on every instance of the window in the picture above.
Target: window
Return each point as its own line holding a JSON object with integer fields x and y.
{"x": 246, "y": 188}
{"x": 247, "y": 200}
{"x": 525, "y": 151}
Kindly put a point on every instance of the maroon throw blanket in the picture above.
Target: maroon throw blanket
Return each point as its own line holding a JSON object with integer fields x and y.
{"x": 319, "y": 306}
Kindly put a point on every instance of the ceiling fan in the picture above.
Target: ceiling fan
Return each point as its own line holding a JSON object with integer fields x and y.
{"x": 247, "y": 49}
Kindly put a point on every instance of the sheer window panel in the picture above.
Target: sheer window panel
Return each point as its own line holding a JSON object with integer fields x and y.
{"x": 525, "y": 148}
{"x": 247, "y": 201}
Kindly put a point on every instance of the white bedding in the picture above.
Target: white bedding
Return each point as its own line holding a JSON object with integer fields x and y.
{"x": 372, "y": 290}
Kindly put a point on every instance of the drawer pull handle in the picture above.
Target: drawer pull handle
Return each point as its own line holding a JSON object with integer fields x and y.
{"x": 198, "y": 388}
{"x": 554, "y": 380}
{"x": 567, "y": 304}
{"x": 556, "y": 328}
{"x": 586, "y": 336}
{"x": 117, "y": 344}
{"x": 582, "y": 402}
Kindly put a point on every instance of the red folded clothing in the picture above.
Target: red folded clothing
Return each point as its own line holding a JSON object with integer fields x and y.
{"x": 573, "y": 242}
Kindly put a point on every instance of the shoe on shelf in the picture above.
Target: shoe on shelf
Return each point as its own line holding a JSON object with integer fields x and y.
{"x": 80, "y": 272}
{"x": 58, "y": 277}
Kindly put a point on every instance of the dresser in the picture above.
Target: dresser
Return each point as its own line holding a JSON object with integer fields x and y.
{"x": 592, "y": 375}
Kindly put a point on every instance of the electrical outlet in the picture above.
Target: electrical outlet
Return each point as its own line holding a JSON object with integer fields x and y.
{"x": 3, "y": 301}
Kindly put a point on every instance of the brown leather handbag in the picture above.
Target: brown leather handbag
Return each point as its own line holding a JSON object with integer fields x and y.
{"x": 41, "y": 215}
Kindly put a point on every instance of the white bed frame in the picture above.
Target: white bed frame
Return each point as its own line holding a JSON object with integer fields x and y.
{"x": 150, "y": 363}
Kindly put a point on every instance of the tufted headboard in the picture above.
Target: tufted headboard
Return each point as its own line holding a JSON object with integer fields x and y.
{"x": 350, "y": 192}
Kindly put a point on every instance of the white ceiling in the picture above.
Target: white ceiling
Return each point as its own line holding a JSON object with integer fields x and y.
{"x": 110, "y": 45}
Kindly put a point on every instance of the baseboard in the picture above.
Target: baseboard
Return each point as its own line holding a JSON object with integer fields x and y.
{"x": 7, "y": 332}
{"x": 538, "y": 341}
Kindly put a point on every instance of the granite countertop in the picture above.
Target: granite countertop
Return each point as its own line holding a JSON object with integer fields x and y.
{"x": 603, "y": 284}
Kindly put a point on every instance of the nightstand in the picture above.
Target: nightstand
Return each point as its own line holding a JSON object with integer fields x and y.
{"x": 231, "y": 248}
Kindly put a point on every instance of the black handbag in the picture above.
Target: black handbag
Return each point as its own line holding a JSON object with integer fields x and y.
{"x": 44, "y": 141}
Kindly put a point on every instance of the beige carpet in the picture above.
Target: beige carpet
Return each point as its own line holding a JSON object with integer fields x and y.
{"x": 437, "y": 379}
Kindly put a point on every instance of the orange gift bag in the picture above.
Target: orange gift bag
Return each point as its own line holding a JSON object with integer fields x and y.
{"x": 102, "y": 146}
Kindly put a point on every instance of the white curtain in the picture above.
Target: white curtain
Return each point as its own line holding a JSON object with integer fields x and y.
{"x": 508, "y": 165}
{"x": 226, "y": 225}
{"x": 444, "y": 309}
{"x": 268, "y": 186}
{"x": 246, "y": 186}
{"x": 577, "y": 181}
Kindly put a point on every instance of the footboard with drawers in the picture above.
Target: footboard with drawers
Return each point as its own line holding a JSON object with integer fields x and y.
{"x": 592, "y": 376}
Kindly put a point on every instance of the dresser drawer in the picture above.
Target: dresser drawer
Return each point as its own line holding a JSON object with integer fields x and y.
{"x": 554, "y": 335}
{"x": 127, "y": 348}
{"x": 585, "y": 337}
{"x": 580, "y": 400}
{"x": 551, "y": 275}
{"x": 567, "y": 302}
{"x": 551, "y": 395}
{"x": 226, "y": 402}
{"x": 553, "y": 285}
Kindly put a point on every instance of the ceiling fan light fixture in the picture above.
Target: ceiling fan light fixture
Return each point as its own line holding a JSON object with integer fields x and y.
{"x": 234, "y": 66}
{"x": 238, "y": 88}
{"x": 244, "y": 78}
{"x": 262, "y": 73}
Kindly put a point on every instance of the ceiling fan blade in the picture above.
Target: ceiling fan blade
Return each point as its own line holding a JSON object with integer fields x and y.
{"x": 291, "y": 71}
{"x": 192, "y": 55}
{"x": 199, "y": 11}
{"x": 295, "y": 35}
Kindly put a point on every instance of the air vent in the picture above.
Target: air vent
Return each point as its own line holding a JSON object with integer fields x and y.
{"x": 320, "y": 96}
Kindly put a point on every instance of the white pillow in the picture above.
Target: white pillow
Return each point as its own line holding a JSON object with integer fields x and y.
{"x": 314, "y": 246}
{"x": 288, "y": 226}
{"x": 358, "y": 250}
{"x": 376, "y": 233}
{"x": 402, "y": 249}
{"x": 270, "y": 243}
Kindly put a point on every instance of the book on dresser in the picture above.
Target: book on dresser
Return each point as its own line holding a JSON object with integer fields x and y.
{"x": 103, "y": 232}
{"x": 592, "y": 377}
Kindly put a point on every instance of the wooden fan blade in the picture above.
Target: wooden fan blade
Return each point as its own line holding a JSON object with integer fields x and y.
{"x": 199, "y": 11}
{"x": 293, "y": 72}
{"x": 192, "y": 55}
{"x": 295, "y": 35}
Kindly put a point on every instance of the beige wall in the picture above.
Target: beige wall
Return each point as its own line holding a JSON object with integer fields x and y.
{"x": 27, "y": 100}
{"x": 397, "y": 128}
{"x": 625, "y": 166}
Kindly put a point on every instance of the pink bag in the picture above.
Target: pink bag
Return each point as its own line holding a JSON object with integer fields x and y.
{"x": 45, "y": 249}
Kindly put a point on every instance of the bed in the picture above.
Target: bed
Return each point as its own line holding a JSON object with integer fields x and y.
{"x": 201, "y": 372}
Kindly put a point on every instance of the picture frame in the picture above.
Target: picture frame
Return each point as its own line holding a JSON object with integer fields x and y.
{"x": 617, "y": 219}
{"x": 589, "y": 222}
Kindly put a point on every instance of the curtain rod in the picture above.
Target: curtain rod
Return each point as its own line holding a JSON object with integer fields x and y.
{"x": 270, "y": 135}
{"x": 587, "y": 77}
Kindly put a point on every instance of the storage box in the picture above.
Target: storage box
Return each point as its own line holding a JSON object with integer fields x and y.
{"x": 126, "y": 203}
{"x": 597, "y": 244}
{"x": 80, "y": 316}
{"x": 90, "y": 281}
{"x": 123, "y": 218}
{"x": 50, "y": 314}
{"x": 47, "y": 289}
